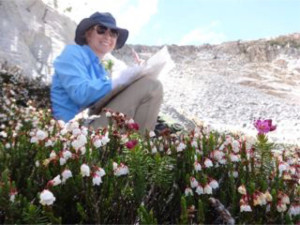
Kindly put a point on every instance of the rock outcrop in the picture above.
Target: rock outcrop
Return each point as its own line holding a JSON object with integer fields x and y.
{"x": 32, "y": 35}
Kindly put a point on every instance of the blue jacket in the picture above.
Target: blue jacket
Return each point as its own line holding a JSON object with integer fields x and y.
{"x": 79, "y": 80}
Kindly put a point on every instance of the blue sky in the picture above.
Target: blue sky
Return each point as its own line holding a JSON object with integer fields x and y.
{"x": 183, "y": 22}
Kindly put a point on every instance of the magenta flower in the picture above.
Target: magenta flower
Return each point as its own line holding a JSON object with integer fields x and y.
{"x": 133, "y": 126}
{"x": 131, "y": 144}
{"x": 264, "y": 126}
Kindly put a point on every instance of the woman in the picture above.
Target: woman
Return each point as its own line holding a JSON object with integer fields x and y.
{"x": 80, "y": 80}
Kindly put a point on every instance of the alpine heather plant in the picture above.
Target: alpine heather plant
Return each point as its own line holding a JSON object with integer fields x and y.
{"x": 65, "y": 173}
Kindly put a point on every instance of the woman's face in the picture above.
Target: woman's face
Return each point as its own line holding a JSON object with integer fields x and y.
{"x": 101, "y": 39}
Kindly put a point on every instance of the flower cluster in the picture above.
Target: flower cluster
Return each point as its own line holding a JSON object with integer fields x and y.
{"x": 48, "y": 165}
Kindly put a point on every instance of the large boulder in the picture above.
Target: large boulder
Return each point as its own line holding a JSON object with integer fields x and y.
{"x": 32, "y": 35}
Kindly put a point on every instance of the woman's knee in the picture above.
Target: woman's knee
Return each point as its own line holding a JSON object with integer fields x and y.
{"x": 154, "y": 86}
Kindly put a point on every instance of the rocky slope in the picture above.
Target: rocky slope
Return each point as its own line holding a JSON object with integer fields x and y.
{"x": 230, "y": 85}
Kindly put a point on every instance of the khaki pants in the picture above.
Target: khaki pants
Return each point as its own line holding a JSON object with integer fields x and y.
{"x": 140, "y": 101}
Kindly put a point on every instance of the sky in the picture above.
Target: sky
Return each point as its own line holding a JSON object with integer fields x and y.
{"x": 192, "y": 22}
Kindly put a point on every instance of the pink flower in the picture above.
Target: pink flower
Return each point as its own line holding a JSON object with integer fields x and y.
{"x": 133, "y": 126}
{"x": 264, "y": 126}
{"x": 131, "y": 144}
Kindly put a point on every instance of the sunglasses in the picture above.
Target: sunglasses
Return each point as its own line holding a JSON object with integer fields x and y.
{"x": 100, "y": 29}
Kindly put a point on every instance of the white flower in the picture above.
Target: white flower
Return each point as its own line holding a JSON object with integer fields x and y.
{"x": 268, "y": 196}
{"x": 82, "y": 150}
{"x": 37, "y": 163}
{"x": 121, "y": 170}
{"x": 207, "y": 189}
{"x": 108, "y": 114}
{"x": 293, "y": 170}
{"x": 235, "y": 146}
{"x": 199, "y": 190}
{"x": 97, "y": 179}
{"x": 234, "y": 157}
{"x": 242, "y": 189}
{"x": 12, "y": 196}
{"x": 194, "y": 144}
{"x": 181, "y": 147}
{"x": 188, "y": 192}
{"x": 115, "y": 165}
{"x": 105, "y": 139}
{"x": 97, "y": 142}
{"x": 47, "y": 197}
{"x": 214, "y": 184}
{"x": 72, "y": 125}
{"x": 34, "y": 139}
{"x": 7, "y": 145}
{"x": 152, "y": 134}
{"x": 154, "y": 150}
{"x": 235, "y": 174}
{"x": 194, "y": 182}
{"x": 3, "y": 134}
{"x": 76, "y": 131}
{"x": 61, "y": 123}
{"x": 208, "y": 163}
{"x": 79, "y": 142}
{"x": 197, "y": 166}
{"x": 100, "y": 172}
{"x": 285, "y": 199}
{"x": 283, "y": 167}
{"x": 63, "y": 131}
{"x": 245, "y": 208}
{"x": 67, "y": 154}
{"x": 66, "y": 174}
{"x": 218, "y": 155}
{"x": 85, "y": 170}
{"x": 62, "y": 161}
{"x": 223, "y": 161}
{"x": 294, "y": 210}
{"x": 56, "y": 180}
{"x": 48, "y": 143}
{"x": 124, "y": 169}
{"x": 41, "y": 135}
{"x": 281, "y": 207}
{"x": 52, "y": 155}
{"x": 259, "y": 199}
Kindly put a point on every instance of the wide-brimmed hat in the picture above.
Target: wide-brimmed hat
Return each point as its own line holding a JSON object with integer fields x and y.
{"x": 105, "y": 19}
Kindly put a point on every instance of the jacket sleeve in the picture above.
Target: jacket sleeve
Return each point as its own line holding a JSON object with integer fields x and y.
{"x": 74, "y": 76}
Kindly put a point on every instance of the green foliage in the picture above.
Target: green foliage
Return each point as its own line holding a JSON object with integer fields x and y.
{"x": 145, "y": 216}
{"x": 140, "y": 185}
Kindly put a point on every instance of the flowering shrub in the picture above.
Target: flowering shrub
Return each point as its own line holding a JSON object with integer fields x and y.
{"x": 52, "y": 172}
